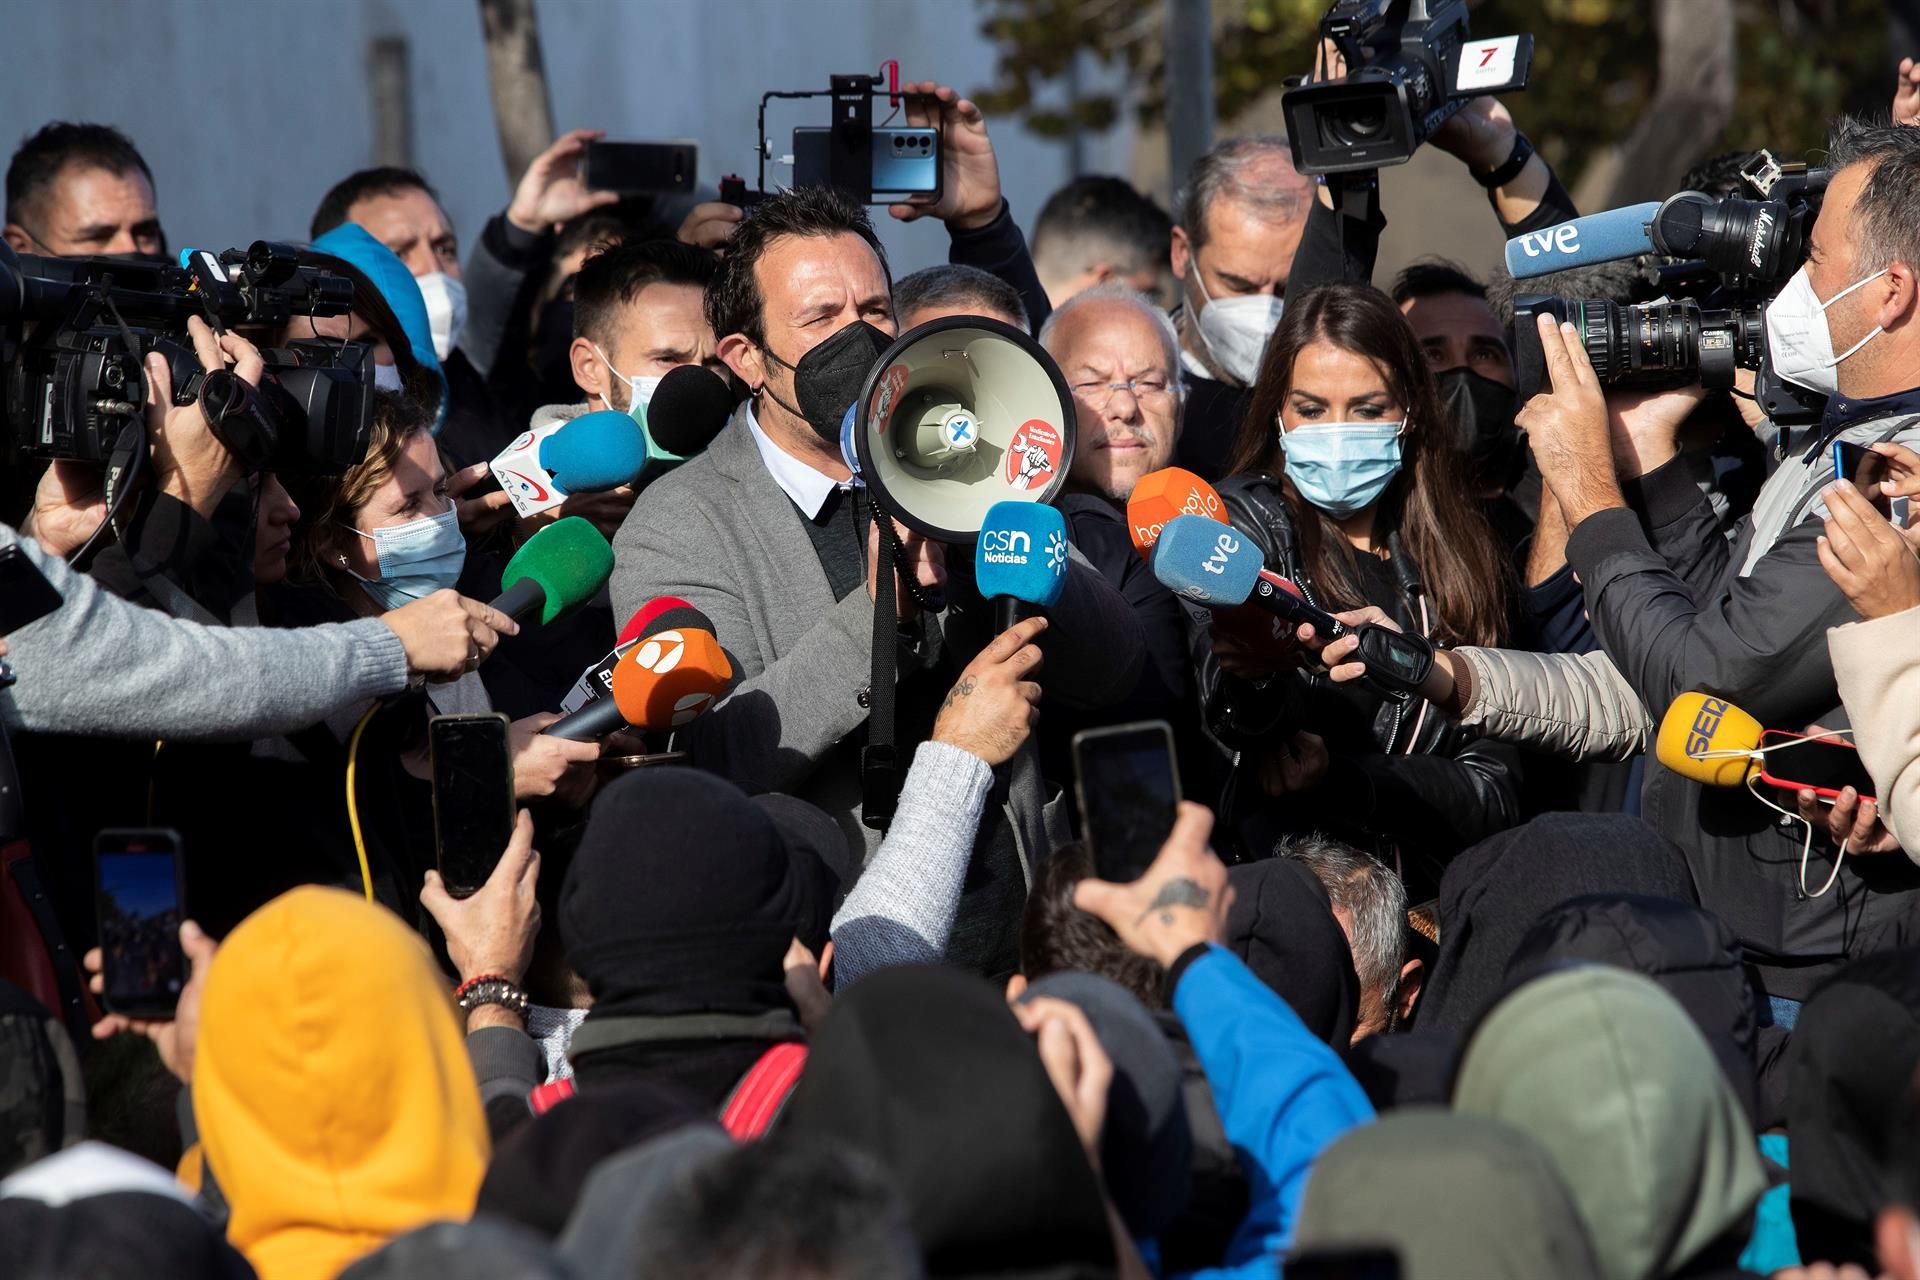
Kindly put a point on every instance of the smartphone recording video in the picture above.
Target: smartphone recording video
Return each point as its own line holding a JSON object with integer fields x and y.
{"x": 140, "y": 907}
{"x": 1129, "y": 795}
{"x": 473, "y": 811}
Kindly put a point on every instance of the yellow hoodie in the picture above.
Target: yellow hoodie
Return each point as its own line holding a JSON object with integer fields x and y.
{"x": 331, "y": 1085}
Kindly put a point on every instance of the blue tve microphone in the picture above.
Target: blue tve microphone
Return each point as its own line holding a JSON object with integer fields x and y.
{"x": 1020, "y": 561}
{"x": 1598, "y": 237}
{"x": 1209, "y": 563}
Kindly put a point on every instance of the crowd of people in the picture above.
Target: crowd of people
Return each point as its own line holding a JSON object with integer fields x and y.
{"x": 1466, "y": 982}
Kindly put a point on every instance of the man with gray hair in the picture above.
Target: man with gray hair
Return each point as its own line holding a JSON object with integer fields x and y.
{"x": 1121, "y": 358}
{"x": 1238, "y": 223}
{"x": 1677, "y": 607}
{"x": 1370, "y": 903}
{"x": 955, "y": 289}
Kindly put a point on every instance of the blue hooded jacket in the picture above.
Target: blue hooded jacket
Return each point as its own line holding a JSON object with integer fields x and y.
{"x": 354, "y": 244}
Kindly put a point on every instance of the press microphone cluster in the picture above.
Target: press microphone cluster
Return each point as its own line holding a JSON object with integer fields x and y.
{"x": 1215, "y": 565}
{"x": 662, "y": 613}
{"x": 559, "y": 568}
{"x": 660, "y": 683}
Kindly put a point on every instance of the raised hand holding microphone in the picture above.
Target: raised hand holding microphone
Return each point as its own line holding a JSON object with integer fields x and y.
{"x": 992, "y": 708}
{"x": 447, "y": 635}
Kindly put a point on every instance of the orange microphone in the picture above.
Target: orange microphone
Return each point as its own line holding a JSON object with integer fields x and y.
{"x": 661, "y": 683}
{"x": 1164, "y": 494}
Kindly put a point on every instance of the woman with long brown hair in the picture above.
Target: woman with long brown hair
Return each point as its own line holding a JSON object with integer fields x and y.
{"x": 1344, "y": 476}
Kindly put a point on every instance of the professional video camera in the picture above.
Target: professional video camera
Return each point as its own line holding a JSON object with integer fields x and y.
{"x": 1734, "y": 254}
{"x": 1410, "y": 67}
{"x": 75, "y": 333}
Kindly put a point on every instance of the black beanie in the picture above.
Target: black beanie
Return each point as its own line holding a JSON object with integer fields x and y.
{"x": 1283, "y": 926}
{"x": 682, "y": 898}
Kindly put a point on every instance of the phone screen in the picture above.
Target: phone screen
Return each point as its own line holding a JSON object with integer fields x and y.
{"x": 25, "y": 594}
{"x": 1346, "y": 1264}
{"x": 1866, "y": 469}
{"x": 138, "y": 900}
{"x": 639, "y": 168}
{"x": 1129, "y": 793}
{"x": 1793, "y": 761}
{"x": 473, "y": 810}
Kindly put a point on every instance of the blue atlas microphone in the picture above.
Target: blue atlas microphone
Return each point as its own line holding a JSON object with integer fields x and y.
{"x": 1020, "y": 560}
{"x": 1598, "y": 237}
{"x": 591, "y": 453}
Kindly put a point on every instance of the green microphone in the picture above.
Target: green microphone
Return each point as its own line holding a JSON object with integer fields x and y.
{"x": 562, "y": 566}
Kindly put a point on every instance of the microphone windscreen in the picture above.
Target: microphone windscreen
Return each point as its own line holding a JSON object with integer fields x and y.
{"x": 570, "y": 561}
{"x": 1206, "y": 562}
{"x": 1598, "y": 237}
{"x": 669, "y": 678}
{"x": 689, "y": 408}
{"x": 1697, "y": 724}
{"x": 1159, "y": 497}
{"x": 1022, "y": 553}
{"x": 595, "y": 451}
{"x": 643, "y": 617}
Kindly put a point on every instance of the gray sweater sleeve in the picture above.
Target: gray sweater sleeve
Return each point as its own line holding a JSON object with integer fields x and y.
{"x": 102, "y": 667}
{"x": 901, "y": 909}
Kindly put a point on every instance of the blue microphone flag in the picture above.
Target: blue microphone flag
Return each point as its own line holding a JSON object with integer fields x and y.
{"x": 1207, "y": 562}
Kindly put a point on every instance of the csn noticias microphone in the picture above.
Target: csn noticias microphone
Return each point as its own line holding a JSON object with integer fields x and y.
{"x": 662, "y": 683}
{"x": 1697, "y": 730}
{"x": 563, "y": 565}
{"x": 1598, "y": 237}
{"x": 588, "y": 454}
{"x": 1164, "y": 494}
{"x": 1217, "y": 566}
{"x": 662, "y": 613}
{"x": 1020, "y": 560}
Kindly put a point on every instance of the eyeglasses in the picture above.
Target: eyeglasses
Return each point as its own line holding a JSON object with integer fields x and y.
{"x": 1097, "y": 395}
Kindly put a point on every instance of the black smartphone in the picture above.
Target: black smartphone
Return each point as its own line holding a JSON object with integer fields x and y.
{"x": 139, "y": 902}
{"x": 1866, "y": 468}
{"x": 1129, "y": 793}
{"x": 1345, "y": 1264}
{"x": 25, "y": 594}
{"x": 473, "y": 811}
{"x": 642, "y": 168}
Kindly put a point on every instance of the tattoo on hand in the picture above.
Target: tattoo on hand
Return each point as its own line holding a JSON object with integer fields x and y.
{"x": 1175, "y": 893}
{"x": 964, "y": 689}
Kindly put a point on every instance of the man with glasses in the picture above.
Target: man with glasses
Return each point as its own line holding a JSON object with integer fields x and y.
{"x": 1121, "y": 357}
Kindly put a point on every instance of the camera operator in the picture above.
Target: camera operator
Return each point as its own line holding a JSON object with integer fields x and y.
{"x": 1847, "y": 325}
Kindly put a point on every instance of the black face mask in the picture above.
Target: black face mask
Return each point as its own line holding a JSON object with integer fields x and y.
{"x": 1482, "y": 412}
{"x": 828, "y": 378}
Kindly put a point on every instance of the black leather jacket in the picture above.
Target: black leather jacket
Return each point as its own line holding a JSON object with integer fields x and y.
{"x": 1403, "y": 779}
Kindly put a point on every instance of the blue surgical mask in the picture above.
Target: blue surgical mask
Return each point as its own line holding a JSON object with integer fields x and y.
{"x": 1342, "y": 467}
{"x": 416, "y": 559}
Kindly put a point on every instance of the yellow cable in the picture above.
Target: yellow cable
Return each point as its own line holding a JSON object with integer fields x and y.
{"x": 353, "y": 807}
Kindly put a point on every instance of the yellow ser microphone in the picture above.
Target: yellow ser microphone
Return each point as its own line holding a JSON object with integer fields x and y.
{"x": 1709, "y": 740}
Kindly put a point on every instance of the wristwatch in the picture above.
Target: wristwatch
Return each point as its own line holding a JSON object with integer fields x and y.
{"x": 1516, "y": 161}
{"x": 492, "y": 989}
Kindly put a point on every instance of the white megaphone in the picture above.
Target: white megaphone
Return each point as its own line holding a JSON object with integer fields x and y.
{"x": 959, "y": 414}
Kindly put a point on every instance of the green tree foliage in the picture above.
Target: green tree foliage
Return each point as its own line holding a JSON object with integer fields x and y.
{"x": 1800, "y": 62}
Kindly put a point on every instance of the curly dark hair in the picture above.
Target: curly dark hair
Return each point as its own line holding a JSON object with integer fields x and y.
{"x": 734, "y": 301}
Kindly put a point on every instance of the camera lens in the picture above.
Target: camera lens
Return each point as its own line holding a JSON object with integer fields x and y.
{"x": 1357, "y": 125}
{"x": 1656, "y": 344}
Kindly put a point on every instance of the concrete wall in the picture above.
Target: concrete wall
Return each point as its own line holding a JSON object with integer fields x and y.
{"x": 249, "y": 109}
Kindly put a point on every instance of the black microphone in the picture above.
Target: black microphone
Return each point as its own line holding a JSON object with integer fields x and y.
{"x": 689, "y": 408}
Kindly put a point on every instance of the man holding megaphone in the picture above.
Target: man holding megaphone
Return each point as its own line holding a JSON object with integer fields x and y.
{"x": 772, "y": 535}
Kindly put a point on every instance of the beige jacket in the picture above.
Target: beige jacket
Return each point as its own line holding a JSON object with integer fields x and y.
{"x": 1577, "y": 706}
{"x": 1877, "y": 665}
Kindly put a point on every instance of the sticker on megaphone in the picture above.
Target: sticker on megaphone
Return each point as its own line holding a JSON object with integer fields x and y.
{"x": 1033, "y": 456}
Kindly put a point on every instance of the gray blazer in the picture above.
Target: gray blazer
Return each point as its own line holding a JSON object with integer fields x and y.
{"x": 720, "y": 533}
